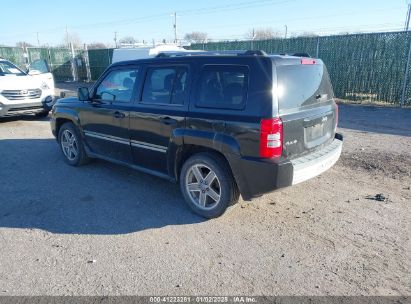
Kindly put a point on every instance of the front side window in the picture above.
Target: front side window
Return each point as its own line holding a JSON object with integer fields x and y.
{"x": 40, "y": 66}
{"x": 222, "y": 87}
{"x": 117, "y": 86}
{"x": 165, "y": 85}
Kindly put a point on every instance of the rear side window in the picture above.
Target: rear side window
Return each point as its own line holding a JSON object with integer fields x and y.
{"x": 222, "y": 87}
{"x": 165, "y": 85}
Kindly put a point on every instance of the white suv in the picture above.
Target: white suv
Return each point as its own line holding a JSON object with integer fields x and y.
{"x": 25, "y": 93}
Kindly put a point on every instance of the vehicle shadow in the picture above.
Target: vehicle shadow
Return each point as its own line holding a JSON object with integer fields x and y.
{"x": 386, "y": 120}
{"x": 40, "y": 191}
{"x": 23, "y": 118}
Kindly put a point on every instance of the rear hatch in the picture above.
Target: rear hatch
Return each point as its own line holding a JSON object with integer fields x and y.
{"x": 304, "y": 95}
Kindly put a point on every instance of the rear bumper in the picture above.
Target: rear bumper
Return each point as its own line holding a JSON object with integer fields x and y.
{"x": 257, "y": 177}
{"x": 314, "y": 164}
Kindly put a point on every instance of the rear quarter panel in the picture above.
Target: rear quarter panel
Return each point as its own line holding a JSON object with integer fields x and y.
{"x": 228, "y": 130}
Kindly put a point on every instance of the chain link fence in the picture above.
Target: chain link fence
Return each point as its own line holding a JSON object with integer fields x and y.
{"x": 361, "y": 66}
{"x": 66, "y": 64}
{"x": 368, "y": 67}
{"x": 15, "y": 55}
{"x": 99, "y": 61}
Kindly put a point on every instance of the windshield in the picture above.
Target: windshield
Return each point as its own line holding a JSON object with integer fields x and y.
{"x": 7, "y": 68}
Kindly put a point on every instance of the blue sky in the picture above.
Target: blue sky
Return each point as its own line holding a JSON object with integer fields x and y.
{"x": 96, "y": 21}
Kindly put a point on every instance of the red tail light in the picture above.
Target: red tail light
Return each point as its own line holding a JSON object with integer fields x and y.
{"x": 271, "y": 138}
{"x": 308, "y": 61}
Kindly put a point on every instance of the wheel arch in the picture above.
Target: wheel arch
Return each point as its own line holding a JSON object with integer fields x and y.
{"x": 186, "y": 151}
{"x": 62, "y": 117}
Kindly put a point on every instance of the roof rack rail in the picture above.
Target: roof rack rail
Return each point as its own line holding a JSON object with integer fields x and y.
{"x": 181, "y": 54}
{"x": 212, "y": 53}
{"x": 227, "y": 52}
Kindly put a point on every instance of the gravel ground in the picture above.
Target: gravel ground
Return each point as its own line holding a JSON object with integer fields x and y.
{"x": 103, "y": 229}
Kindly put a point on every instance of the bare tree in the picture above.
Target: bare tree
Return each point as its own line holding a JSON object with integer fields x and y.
{"x": 74, "y": 38}
{"x": 306, "y": 34}
{"x": 96, "y": 45}
{"x": 196, "y": 37}
{"x": 22, "y": 44}
{"x": 127, "y": 40}
{"x": 262, "y": 34}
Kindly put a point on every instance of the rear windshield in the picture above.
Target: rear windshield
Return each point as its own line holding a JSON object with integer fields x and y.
{"x": 302, "y": 85}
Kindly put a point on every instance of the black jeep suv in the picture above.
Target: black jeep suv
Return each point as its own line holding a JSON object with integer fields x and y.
{"x": 220, "y": 125}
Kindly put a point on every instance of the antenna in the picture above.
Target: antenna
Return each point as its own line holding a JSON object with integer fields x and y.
{"x": 67, "y": 37}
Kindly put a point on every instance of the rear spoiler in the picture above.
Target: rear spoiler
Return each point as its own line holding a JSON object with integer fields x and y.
{"x": 301, "y": 55}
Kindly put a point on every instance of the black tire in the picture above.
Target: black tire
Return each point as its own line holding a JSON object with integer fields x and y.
{"x": 78, "y": 159}
{"x": 227, "y": 188}
{"x": 42, "y": 114}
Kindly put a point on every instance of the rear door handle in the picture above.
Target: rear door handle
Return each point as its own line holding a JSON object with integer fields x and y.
{"x": 168, "y": 121}
{"x": 118, "y": 114}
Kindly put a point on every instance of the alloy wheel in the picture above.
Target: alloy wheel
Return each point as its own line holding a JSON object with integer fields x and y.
{"x": 203, "y": 186}
{"x": 69, "y": 144}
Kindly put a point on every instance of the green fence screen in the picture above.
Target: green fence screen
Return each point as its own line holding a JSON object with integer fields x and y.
{"x": 99, "y": 61}
{"x": 87, "y": 65}
{"x": 13, "y": 54}
{"x": 361, "y": 66}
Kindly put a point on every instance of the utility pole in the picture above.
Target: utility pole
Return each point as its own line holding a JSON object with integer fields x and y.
{"x": 286, "y": 31}
{"x": 38, "y": 41}
{"x": 407, "y": 69}
{"x": 115, "y": 39}
{"x": 407, "y": 20}
{"x": 67, "y": 37}
{"x": 175, "y": 27}
{"x": 252, "y": 40}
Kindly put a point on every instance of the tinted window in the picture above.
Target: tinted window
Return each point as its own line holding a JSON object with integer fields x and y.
{"x": 299, "y": 84}
{"x": 165, "y": 85}
{"x": 117, "y": 86}
{"x": 223, "y": 87}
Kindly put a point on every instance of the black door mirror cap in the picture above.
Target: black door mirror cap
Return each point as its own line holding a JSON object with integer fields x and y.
{"x": 83, "y": 94}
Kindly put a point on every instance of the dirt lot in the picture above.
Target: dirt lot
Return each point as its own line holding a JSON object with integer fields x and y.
{"x": 106, "y": 230}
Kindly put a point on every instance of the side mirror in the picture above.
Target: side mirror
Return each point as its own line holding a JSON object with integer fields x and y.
{"x": 83, "y": 94}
